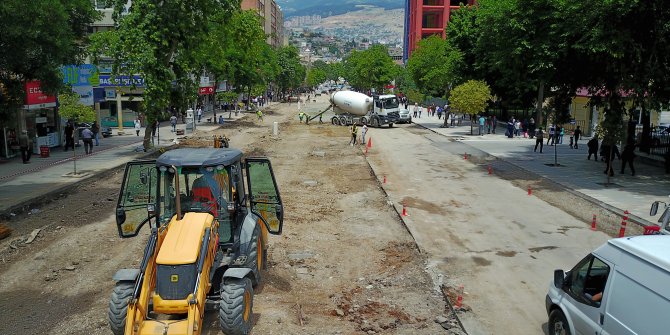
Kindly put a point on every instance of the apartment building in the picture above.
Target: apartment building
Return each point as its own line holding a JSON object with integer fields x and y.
{"x": 272, "y": 19}
{"x": 424, "y": 18}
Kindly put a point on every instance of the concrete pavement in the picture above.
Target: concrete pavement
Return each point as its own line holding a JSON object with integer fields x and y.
{"x": 575, "y": 173}
{"x": 21, "y": 185}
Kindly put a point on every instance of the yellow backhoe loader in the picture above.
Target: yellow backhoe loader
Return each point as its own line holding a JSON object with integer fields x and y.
{"x": 207, "y": 243}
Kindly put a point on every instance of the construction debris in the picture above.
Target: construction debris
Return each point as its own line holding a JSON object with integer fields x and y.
{"x": 4, "y": 231}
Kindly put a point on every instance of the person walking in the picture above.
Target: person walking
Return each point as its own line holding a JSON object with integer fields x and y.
{"x": 138, "y": 127}
{"x": 416, "y": 109}
{"x": 69, "y": 136}
{"x": 539, "y": 139}
{"x": 259, "y": 114}
{"x": 354, "y": 134}
{"x": 531, "y": 128}
{"x": 628, "y": 156}
{"x": 26, "y": 146}
{"x": 420, "y": 110}
{"x": 577, "y": 135}
{"x": 87, "y": 137}
{"x": 561, "y": 132}
{"x": 482, "y": 122}
{"x": 173, "y": 123}
{"x": 96, "y": 130}
{"x": 592, "y": 144}
{"x": 364, "y": 130}
{"x": 517, "y": 128}
{"x": 494, "y": 123}
{"x": 199, "y": 112}
{"x": 552, "y": 134}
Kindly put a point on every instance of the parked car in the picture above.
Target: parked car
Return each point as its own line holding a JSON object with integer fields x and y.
{"x": 620, "y": 288}
{"x": 405, "y": 116}
{"x": 106, "y": 131}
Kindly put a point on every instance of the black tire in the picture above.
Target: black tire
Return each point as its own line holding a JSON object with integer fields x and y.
{"x": 118, "y": 306}
{"x": 375, "y": 122}
{"x": 255, "y": 257}
{"x": 343, "y": 121}
{"x": 236, "y": 306}
{"x": 390, "y": 125}
{"x": 335, "y": 121}
{"x": 558, "y": 325}
{"x": 364, "y": 121}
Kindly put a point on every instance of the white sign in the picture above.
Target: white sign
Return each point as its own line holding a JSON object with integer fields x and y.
{"x": 204, "y": 81}
{"x": 85, "y": 94}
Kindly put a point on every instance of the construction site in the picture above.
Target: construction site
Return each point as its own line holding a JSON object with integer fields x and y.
{"x": 415, "y": 231}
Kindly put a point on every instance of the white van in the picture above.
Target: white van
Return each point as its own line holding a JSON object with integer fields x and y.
{"x": 621, "y": 288}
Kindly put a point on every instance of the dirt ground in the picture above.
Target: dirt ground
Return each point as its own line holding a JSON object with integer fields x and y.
{"x": 344, "y": 264}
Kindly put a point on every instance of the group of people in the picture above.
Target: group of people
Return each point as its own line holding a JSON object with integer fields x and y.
{"x": 88, "y": 135}
{"x": 354, "y": 134}
{"x": 609, "y": 152}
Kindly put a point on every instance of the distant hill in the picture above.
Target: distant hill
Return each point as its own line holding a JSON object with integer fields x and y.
{"x": 327, "y": 8}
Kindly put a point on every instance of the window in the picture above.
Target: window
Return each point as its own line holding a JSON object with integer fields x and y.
{"x": 587, "y": 280}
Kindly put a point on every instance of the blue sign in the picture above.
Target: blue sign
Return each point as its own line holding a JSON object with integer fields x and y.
{"x": 121, "y": 81}
{"x": 80, "y": 75}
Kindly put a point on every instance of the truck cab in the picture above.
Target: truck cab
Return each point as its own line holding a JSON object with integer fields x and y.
{"x": 387, "y": 107}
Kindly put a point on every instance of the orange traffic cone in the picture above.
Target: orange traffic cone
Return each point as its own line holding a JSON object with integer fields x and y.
{"x": 490, "y": 169}
{"x": 404, "y": 210}
{"x": 370, "y": 142}
{"x": 459, "y": 298}
{"x": 465, "y": 156}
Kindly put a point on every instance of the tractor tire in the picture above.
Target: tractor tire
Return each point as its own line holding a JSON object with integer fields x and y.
{"x": 236, "y": 306}
{"x": 118, "y": 306}
{"x": 255, "y": 258}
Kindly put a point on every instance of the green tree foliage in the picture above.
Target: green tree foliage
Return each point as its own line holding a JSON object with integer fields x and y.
{"x": 315, "y": 76}
{"x": 291, "y": 73}
{"x": 470, "y": 97}
{"x": 434, "y": 66}
{"x": 372, "y": 68}
{"x": 71, "y": 109}
{"x": 36, "y": 39}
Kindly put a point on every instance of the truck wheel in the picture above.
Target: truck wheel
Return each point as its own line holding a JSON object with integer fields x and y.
{"x": 236, "y": 306}
{"x": 335, "y": 121}
{"x": 118, "y": 306}
{"x": 343, "y": 121}
{"x": 364, "y": 121}
{"x": 558, "y": 325}
{"x": 390, "y": 125}
{"x": 375, "y": 122}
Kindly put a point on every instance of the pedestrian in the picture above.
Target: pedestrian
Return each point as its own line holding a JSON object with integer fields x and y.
{"x": 592, "y": 144}
{"x": 154, "y": 129}
{"x": 26, "y": 146}
{"x": 482, "y": 122}
{"x": 608, "y": 152}
{"x": 494, "y": 124}
{"x": 453, "y": 119}
{"x": 199, "y": 111}
{"x": 510, "y": 128}
{"x": 539, "y": 140}
{"x": 173, "y": 123}
{"x": 96, "y": 130}
{"x": 628, "y": 156}
{"x": 364, "y": 130}
{"x": 517, "y": 128}
{"x": 69, "y": 136}
{"x": 301, "y": 115}
{"x": 439, "y": 113}
{"x": 416, "y": 109}
{"x": 138, "y": 127}
{"x": 259, "y": 113}
{"x": 87, "y": 137}
{"x": 561, "y": 132}
{"x": 449, "y": 119}
{"x": 531, "y": 128}
{"x": 552, "y": 133}
{"x": 354, "y": 134}
{"x": 420, "y": 110}
{"x": 577, "y": 134}
{"x": 572, "y": 140}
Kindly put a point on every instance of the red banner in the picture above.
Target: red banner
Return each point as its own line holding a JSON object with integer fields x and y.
{"x": 34, "y": 95}
{"x": 206, "y": 90}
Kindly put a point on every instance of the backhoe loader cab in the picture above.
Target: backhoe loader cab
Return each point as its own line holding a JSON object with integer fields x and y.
{"x": 207, "y": 243}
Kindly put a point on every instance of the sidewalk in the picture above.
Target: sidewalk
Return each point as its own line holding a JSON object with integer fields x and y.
{"x": 575, "y": 172}
{"x": 20, "y": 183}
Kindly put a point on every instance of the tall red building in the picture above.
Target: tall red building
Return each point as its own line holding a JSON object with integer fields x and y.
{"x": 424, "y": 18}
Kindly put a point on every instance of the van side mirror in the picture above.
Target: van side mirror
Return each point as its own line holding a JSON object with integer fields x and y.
{"x": 654, "y": 208}
{"x": 559, "y": 278}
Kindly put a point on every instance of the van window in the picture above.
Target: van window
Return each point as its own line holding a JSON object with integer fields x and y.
{"x": 588, "y": 279}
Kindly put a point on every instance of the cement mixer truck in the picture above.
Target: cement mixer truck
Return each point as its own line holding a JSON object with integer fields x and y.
{"x": 352, "y": 107}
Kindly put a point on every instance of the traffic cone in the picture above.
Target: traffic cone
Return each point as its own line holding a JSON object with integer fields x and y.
{"x": 370, "y": 142}
{"x": 593, "y": 223}
{"x": 404, "y": 210}
{"x": 624, "y": 221}
{"x": 465, "y": 156}
{"x": 490, "y": 169}
{"x": 459, "y": 298}
{"x": 384, "y": 179}
{"x": 530, "y": 191}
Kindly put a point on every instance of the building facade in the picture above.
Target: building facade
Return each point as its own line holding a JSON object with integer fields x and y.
{"x": 272, "y": 19}
{"x": 424, "y": 18}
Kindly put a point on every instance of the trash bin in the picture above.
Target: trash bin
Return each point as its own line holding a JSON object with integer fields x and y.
{"x": 44, "y": 151}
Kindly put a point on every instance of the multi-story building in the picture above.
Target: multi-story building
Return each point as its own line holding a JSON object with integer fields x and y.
{"x": 272, "y": 19}
{"x": 424, "y": 18}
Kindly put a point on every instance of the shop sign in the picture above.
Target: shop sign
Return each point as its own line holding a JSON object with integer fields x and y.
{"x": 81, "y": 75}
{"x": 85, "y": 94}
{"x": 36, "y": 99}
{"x": 204, "y": 81}
{"x": 222, "y": 86}
{"x": 206, "y": 90}
{"x": 121, "y": 81}
{"x": 110, "y": 94}
{"x": 41, "y": 119}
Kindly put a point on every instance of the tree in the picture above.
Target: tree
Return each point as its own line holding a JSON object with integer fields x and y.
{"x": 372, "y": 68}
{"x": 315, "y": 77}
{"x": 291, "y": 72}
{"x": 470, "y": 97}
{"x": 38, "y": 37}
{"x": 70, "y": 108}
{"x": 434, "y": 66}
{"x": 162, "y": 42}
